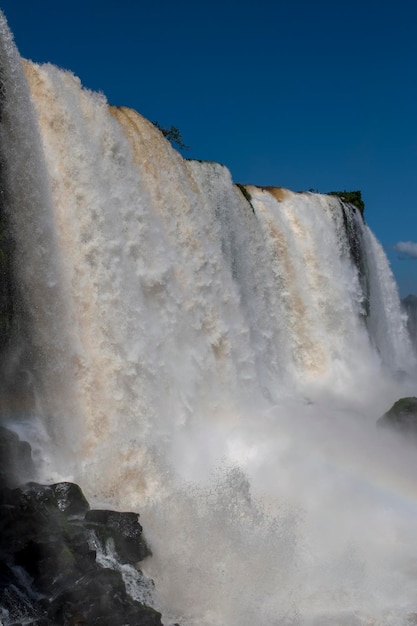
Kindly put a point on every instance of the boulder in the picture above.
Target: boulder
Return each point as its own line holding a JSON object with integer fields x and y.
{"x": 125, "y": 531}
{"x": 401, "y": 417}
{"x": 61, "y": 497}
{"x": 49, "y": 574}
{"x": 100, "y": 599}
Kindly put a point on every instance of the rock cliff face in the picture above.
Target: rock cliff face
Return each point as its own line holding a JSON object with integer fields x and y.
{"x": 51, "y": 545}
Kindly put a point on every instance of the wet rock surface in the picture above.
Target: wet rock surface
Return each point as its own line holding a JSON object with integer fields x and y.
{"x": 401, "y": 417}
{"x": 49, "y": 573}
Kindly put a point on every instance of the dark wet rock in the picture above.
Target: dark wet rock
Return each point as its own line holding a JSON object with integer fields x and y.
{"x": 49, "y": 574}
{"x": 125, "y": 531}
{"x": 402, "y": 417}
{"x": 70, "y": 499}
{"x": 61, "y": 497}
{"x": 101, "y": 599}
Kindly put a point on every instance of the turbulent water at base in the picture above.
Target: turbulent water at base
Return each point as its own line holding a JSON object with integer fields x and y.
{"x": 212, "y": 356}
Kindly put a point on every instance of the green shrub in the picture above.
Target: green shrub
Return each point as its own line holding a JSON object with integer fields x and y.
{"x": 173, "y": 135}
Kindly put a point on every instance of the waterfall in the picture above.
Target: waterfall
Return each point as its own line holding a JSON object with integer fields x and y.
{"x": 212, "y": 355}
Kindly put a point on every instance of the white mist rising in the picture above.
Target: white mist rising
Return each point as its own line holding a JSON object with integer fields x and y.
{"x": 214, "y": 363}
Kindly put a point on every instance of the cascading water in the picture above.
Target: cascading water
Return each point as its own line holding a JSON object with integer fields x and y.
{"x": 212, "y": 356}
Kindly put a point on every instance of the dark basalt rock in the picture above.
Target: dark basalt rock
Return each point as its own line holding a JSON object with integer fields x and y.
{"x": 48, "y": 569}
{"x": 124, "y": 529}
{"x": 100, "y": 599}
{"x": 54, "y": 499}
{"x": 402, "y": 417}
{"x": 70, "y": 499}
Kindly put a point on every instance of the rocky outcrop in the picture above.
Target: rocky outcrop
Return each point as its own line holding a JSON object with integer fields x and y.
{"x": 402, "y": 417}
{"x": 125, "y": 531}
{"x": 49, "y": 542}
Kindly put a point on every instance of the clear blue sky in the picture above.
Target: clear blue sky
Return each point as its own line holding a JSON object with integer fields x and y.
{"x": 292, "y": 93}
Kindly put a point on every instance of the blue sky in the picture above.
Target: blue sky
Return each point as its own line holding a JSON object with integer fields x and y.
{"x": 291, "y": 93}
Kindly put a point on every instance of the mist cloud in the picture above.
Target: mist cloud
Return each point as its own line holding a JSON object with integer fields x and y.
{"x": 406, "y": 249}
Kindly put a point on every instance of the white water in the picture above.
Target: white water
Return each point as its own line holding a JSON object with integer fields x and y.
{"x": 208, "y": 362}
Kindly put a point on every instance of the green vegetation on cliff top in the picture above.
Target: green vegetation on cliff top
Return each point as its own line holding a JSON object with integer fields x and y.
{"x": 353, "y": 197}
{"x": 173, "y": 134}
